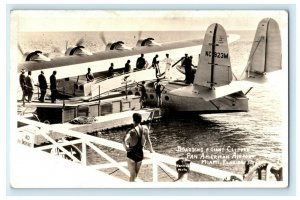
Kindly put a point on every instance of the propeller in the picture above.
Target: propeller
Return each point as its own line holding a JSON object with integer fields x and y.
{"x": 67, "y": 43}
{"x": 80, "y": 42}
{"x": 139, "y": 35}
{"x": 103, "y": 38}
{"x": 20, "y": 49}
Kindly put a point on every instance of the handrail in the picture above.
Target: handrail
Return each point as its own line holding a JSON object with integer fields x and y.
{"x": 156, "y": 159}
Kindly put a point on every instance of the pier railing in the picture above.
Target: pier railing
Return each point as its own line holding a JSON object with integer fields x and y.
{"x": 68, "y": 149}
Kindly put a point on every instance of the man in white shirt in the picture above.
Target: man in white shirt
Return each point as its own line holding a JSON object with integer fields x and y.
{"x": 168, "y": 62}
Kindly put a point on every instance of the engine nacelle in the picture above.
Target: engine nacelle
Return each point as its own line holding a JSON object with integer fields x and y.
{"x": 119, "y": 45}
{"x": 147, "y": 42}
{"x": 78, "y": 50}
{"x": 36, "y": 56}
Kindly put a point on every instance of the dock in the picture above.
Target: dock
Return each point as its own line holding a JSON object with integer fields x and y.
{"x": 155, "y": 168}
{"x": 101, "y": 123}
{"x": 49, "y": 130}
{"x": 112, "y": 121}
{"x": 66, "y": 110}
{"x": 31, "y": 168}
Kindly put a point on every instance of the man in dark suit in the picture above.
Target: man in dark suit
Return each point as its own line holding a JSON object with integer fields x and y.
{"x": 29, "y": 86}
{"x": 110, "y": 72}
{"x": 43, "y": 86}
{"x": 23, "y": 84}
{"x": 141, "y": 62}
{"x": 53, "y": 87}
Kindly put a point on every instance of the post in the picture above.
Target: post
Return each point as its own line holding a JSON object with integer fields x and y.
{"x": 125, "y": 81}
{"x": 126, "y": 88}
{"x": 39, "y": 91}
{"x": 99, "y": 106}
{"x": 154, "y": 170}
{"x": 64, "y": 97}
{"x": 63, "y": 108}
{"x": 83, "y": 154}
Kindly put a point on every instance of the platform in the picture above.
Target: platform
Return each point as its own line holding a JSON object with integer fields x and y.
{"x": 31, "y": 168}
{"x": 101, "y": 123}
{"x": 65, "y": 111}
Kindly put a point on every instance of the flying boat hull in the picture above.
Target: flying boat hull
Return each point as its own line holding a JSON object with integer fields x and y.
{"x": 190, "y": 102}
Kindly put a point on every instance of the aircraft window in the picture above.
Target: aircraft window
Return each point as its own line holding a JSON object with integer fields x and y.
{"x": 130, "y": 92}
{"x": 151, "y": 96}
{"x": 67, "y": 79}
{"x": 167, "y": 98}
{"x": 137, "y": 94}
{"x": 81, "y": 87}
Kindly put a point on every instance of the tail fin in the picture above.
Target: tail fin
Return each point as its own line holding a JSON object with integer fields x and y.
{"x": 265, "y": 55}
{"x": 214, "y": 67}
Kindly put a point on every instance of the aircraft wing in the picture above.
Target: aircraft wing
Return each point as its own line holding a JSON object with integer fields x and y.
{"x": 71, "y": 66}
{"x": 209, "y": 94}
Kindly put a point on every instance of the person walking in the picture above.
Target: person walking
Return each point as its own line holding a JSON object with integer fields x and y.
{"x": 134, "y": 142}
{"x": 168, "y": 62}
{"x": 43, "y": 86}
{"x": 154, "y": 61}
{"x": 29, "y": 86}
{"x": 53, "y": 87}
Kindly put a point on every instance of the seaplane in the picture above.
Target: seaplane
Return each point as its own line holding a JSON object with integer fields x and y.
{"x": 72, "y": 67}
{"x": 214, "y": 89}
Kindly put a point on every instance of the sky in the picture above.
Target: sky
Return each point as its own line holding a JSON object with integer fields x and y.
{"x": 63, "y": 20}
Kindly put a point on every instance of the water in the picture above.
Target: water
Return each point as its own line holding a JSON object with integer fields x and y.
{"x": 224, "y": 141}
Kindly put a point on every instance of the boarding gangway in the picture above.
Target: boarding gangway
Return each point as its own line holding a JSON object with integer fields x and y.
{"x": 99, "y": 86}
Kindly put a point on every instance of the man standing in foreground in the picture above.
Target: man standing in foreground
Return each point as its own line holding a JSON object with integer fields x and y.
{"x": 134, "y": 142}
